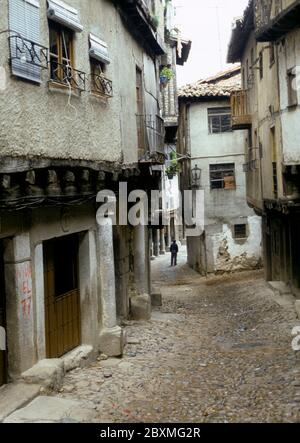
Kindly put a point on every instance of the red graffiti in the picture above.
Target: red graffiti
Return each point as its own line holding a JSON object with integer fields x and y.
{"x": 26, "y": 306}
{"x": 25, "y": 287}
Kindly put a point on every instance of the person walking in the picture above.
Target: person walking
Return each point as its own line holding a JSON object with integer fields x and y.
{"x": 174, "y": 252}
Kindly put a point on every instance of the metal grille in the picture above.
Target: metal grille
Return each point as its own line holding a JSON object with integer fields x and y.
{"x": 222, "y": 176}
{"x": 151, "y": 133}
{"x": 68, "y": 76}
{"x": 101, "y": 85}
{"x": 36, "y": 54}
{"x": 240, "y": 231}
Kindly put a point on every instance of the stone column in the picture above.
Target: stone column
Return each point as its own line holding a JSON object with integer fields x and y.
{"x": 169, "y": 241}
{"x": 19, "y": 304}
{"x": 167, "y": 236}
{"x": 156, "y": 242}
{"x": 152, "y": 256}
{"x": 140, "y": 259}
{"x": 162, "y": 246}
{"x": 141, "y": 302}
{"x": 111, "y": 340}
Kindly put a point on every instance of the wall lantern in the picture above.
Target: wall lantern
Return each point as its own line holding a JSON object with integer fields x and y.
{"x": 196, "y": 177}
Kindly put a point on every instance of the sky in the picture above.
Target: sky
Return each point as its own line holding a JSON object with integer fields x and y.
{"x": 208, "y": 24}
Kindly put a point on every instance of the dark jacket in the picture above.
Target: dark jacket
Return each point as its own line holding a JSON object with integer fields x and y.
{"x": 174, "y": 248}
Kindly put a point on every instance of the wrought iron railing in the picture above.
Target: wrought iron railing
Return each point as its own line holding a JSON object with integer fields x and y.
{"x": 265, "y": 11}
{"x": 28, "y": 52}
{"x": 156, "y": 132}
{"x": 66, "y": 75}
{"x": 151, "y": 133}
{"x": 100, "y": 85}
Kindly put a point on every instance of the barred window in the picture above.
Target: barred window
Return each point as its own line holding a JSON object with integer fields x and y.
{"x": 222, "y": 176}
{"x": 219, "y": 120}
{"x": 240, "y": 231}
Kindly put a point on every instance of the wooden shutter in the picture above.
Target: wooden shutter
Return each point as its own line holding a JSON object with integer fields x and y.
{"x": 24, "y": 18}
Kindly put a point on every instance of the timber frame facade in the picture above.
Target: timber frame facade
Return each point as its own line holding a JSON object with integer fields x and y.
{"x": 266, "y": 40}
{"x": 70, "y": 122}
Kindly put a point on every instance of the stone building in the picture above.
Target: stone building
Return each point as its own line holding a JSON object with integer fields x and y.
{"x": 80, "y": 112}
{"x": 231, "y": 239}
{"x": 177, "y": 53}
{"x": 266, "y": 41}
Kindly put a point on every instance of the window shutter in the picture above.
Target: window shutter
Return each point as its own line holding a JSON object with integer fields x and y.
{"x": 24, "y": 18}
{"x": 60, "y": 12}
{"x": 98, "y": 49}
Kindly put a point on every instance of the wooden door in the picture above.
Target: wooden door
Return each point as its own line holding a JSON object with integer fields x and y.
{"x": 3, "y": 354}
{"x": 276, "y": 250}
{"x": 62, "y": 298}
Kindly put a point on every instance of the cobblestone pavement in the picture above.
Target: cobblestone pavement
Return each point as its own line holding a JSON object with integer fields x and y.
{"x": 219, "y": 350}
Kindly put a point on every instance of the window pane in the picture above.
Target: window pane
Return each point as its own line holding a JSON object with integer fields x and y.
{"x": 217, "y": 184}
{"x": 53, "y": 42}
{"x": 215, "y": 124}
{"x": 218, "y": 111}
{"x": 65, "y": 264}
{"x": 226, "y": 123}
{"x": 222, "y": 176}
{"x": 240, "y": 231}
{"x": 66, "y": 45}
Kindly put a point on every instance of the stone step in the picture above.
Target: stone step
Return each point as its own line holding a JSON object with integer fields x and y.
{"x": 15, "y": 396}
{"x": 52, "y": 410}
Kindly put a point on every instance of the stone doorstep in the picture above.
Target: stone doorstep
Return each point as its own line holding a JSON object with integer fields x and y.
{"x": 280, "y": 287}
{"x": 283, "y": 295}
{"x": 49, "y": 373}
{"x": 297, "y": 307}
{"x": 15, "y": 396}
{"x": 140, "y": 307}
{"x": 156, "y": 299}
{"x": 52, "y": 410}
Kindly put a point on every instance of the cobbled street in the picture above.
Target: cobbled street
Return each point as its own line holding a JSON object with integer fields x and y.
{"x": 218, "y": 350}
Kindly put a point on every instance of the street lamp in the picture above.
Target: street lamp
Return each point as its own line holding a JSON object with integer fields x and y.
{"x": 196, "y": 177}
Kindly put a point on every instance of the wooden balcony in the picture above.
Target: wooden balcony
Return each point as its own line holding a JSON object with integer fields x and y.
{"x": 241, "y": 117}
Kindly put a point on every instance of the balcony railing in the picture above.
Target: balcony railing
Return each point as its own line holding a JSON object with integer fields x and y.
{"x": 100, "y": 85}
{"x": 241, "y": 117}
{"x": 66, "y": 75}
{"x": 33, "y": 53}
{"x": 151, "y": 134}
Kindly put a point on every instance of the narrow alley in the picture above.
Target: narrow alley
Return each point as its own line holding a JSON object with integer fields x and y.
{"x": 219, "y": 350}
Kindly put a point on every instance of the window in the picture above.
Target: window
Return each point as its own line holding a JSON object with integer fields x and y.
{"x": 65, "y": 253}
{"x": 272, "y": 53}
{"x": 219, "y": 120}
{"x": 261, "y": 65}
{"x": 222, "y": 176}
{"x": 275, "y": 179}
{"x": 274, "y": 161}
{"x": 292, "y": 87}
{"x": 240, "y": 231}
{"x": 27, "y": 57}
{"x": 99, "y": 84}
{"x": 141, "y": 128}
{"x": 61, "y": 54}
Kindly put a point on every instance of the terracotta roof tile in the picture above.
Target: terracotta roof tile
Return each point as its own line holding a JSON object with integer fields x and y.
{"x": 220, "y": 85}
